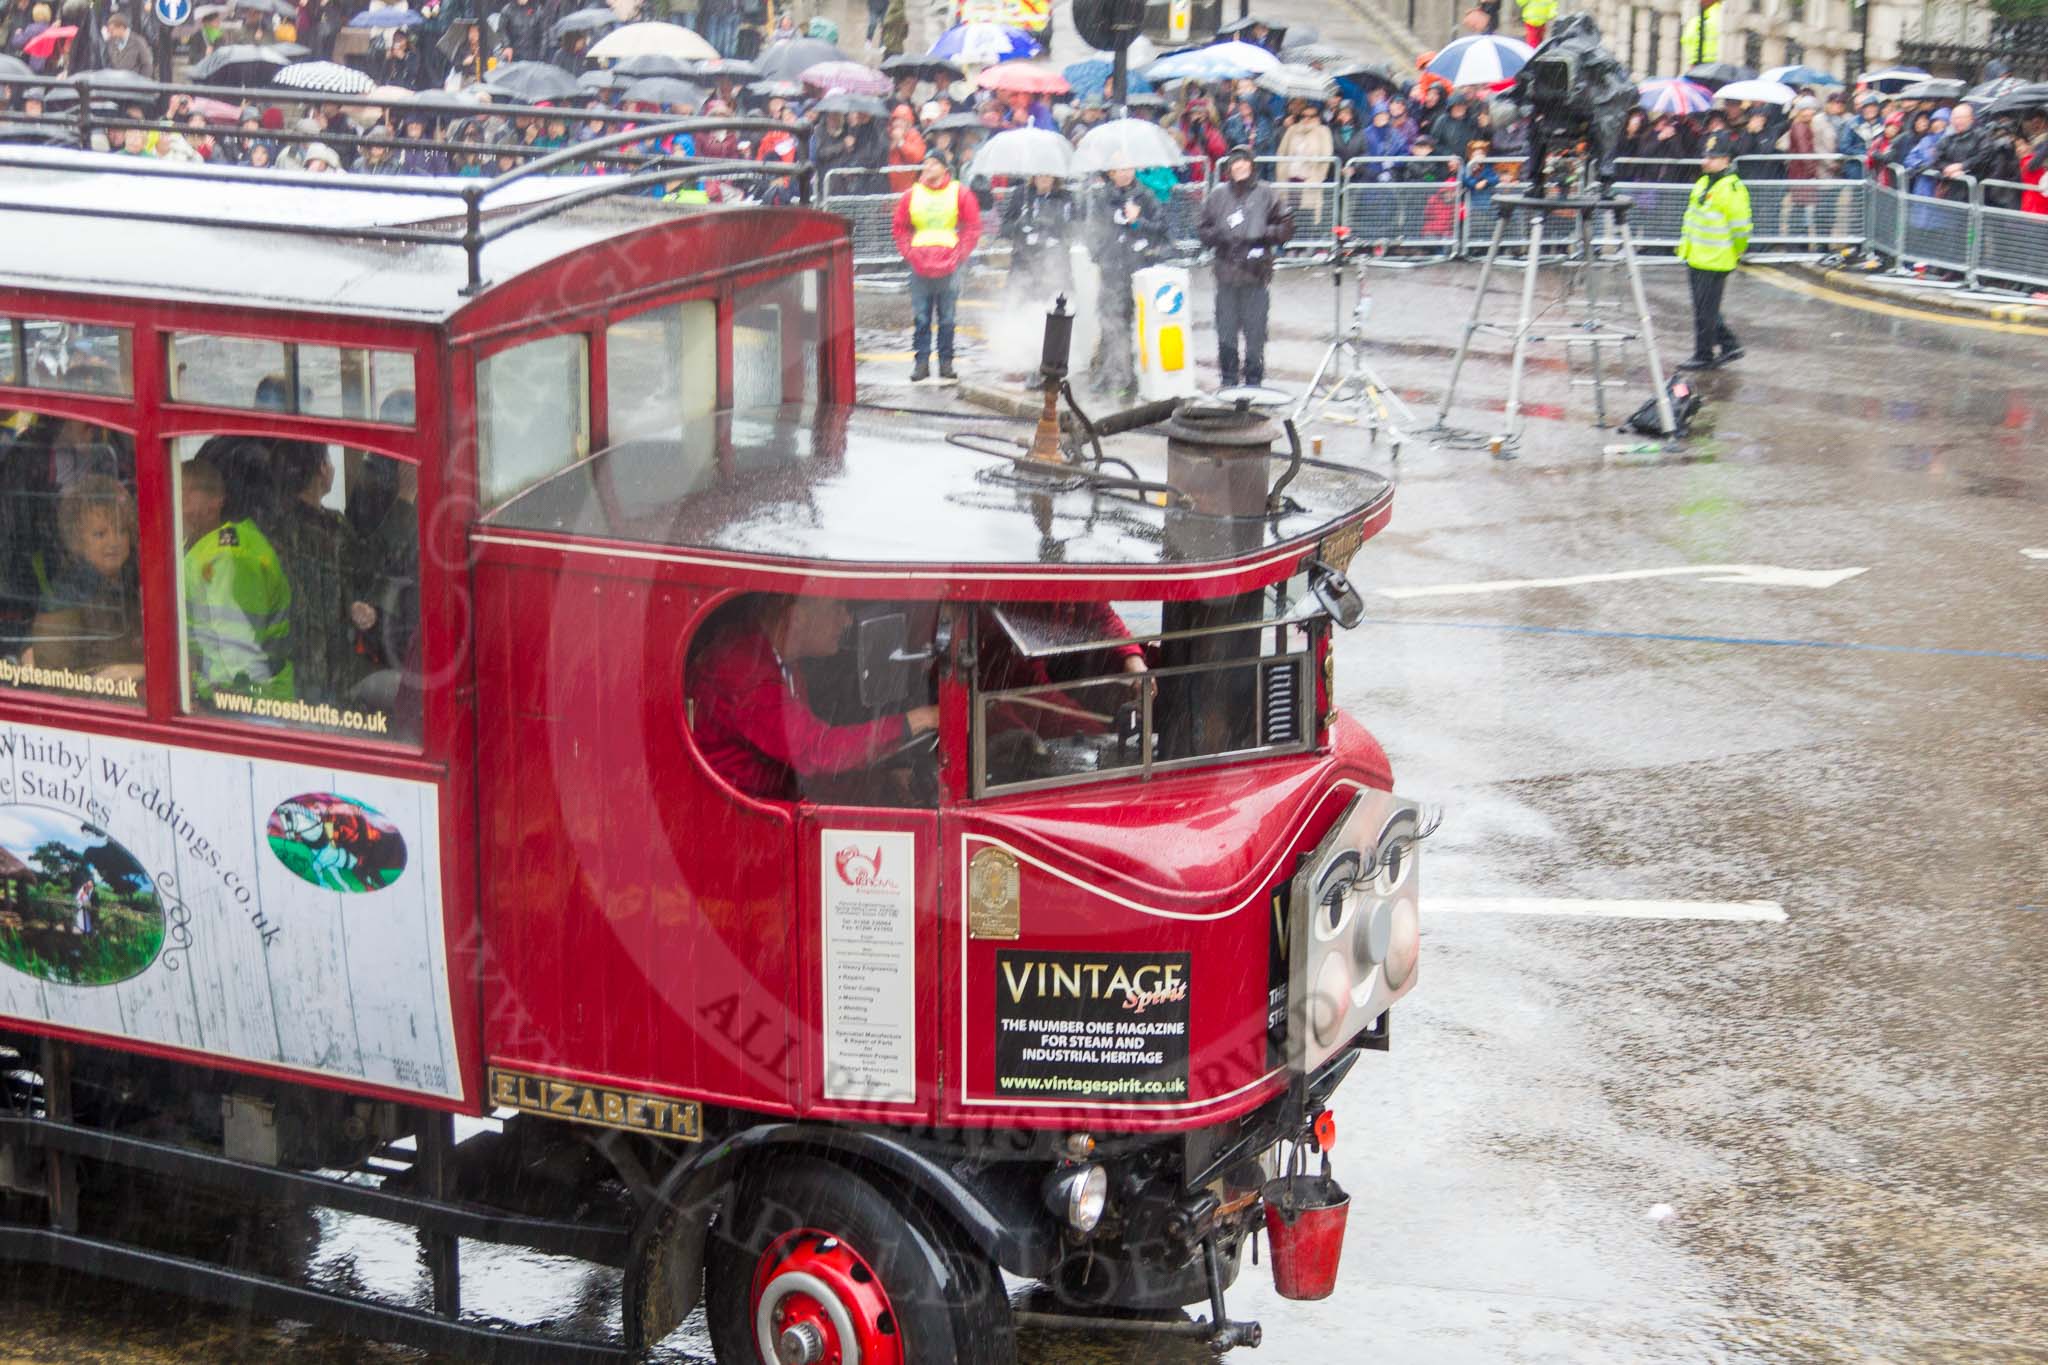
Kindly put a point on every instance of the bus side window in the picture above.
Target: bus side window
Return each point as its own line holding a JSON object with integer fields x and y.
{"x": 299, "y": 572}
{"x": 776, "y": 338}
{"x": 533, "y": 413}
{"x": 70, "y": 591}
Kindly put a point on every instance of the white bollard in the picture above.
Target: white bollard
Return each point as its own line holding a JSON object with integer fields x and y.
{"x": 1165, "y": 332}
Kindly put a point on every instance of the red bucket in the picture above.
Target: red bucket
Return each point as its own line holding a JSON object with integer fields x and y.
{"x": 1305, "y": 1228}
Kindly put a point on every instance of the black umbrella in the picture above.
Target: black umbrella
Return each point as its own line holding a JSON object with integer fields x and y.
{"x": 602, "y": 80}
{"x": 654, "y": 64}
{"x": 663, "y": 90}
{"x": 584, "y": 21}
{"x": 531, "y": 82}
{"x": 728, "y": 68}
{"x": 958, "y": 123}
{"x": 1365, "y": 76}
{"x": 1714, "y": 75}
{"x": 1935, "y": 89}
{"x": 1236, "y": 30}
{"x": 38, "y": 135}
{"x": 845, "y": 102}
{"x": 14, "y": 69}
{"x": 934, "y": 69}
{"x": 791, "y": 57}
{"x": 240, "y": 64}
{"x": 2028, "y": 99}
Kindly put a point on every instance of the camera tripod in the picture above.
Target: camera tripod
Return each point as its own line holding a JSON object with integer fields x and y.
{"x": 1351, "y": 376}
{"x": 1584, "y": 210}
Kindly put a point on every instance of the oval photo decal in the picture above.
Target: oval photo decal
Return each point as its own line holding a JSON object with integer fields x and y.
{"x": 76, "y": 908}
{"x": 336, "y": 843}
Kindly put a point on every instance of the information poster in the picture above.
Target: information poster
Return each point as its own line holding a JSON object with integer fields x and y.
{"x": 268, "y": 912}
{"x": 868, "y": 895}
{"x": 1097, "y": 1026}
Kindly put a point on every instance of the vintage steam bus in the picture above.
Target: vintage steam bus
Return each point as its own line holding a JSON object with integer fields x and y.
{"x": 495, "y": 738}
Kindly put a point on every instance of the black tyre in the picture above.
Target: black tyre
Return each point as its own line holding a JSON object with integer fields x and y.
{"x": 813, "y": 1247}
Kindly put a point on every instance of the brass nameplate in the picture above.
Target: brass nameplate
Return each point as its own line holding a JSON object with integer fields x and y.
{"x": 597, "y": 1104}
{"x": 1341, "y": 545}
{"x": 993, "y": 904}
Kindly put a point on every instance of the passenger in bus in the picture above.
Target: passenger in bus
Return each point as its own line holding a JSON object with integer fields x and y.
{"x": 322, "y": 565}
{"x": 383, "y": 518}
{"x": 236, "y": 597}
{"x": 37, "y": 465}
{"x": 751, "y": 711}
{"x": 91, "y": 620}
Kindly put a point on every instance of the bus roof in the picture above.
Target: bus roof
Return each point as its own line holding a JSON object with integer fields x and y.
{"x": 884, "y": 486}
{"x": 269, "y": 240}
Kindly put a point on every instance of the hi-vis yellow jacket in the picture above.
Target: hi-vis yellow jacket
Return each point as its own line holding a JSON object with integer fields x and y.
{"x": 1716, "y": 230}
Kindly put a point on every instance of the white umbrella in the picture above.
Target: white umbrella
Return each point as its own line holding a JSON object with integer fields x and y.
{"x": 1217, "y": 62}
{"x": 326, "y": 78}
{"x": 1296, "y": 83}
{"x": 1892, "y": 78}
{"x": 1134, "y": 142}
{"x": 1757, "y": 92}
{"x": 640, "y": 40}
{"x": 1021, "y": 152}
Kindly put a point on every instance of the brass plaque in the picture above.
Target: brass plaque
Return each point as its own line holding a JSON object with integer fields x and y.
{"x": 601, "y": 1105}
{"x": 993, "y": 905}
{"x": 1341, "y": 545}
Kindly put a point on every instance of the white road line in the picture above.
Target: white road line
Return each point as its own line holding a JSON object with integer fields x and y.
{"x": 1755, "y": 575}
{"x": 2036, "y": 552}
{"x": 1737, "y": 912}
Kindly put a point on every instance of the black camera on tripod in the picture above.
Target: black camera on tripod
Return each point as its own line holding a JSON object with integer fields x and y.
{"x": 1573, "y": 88}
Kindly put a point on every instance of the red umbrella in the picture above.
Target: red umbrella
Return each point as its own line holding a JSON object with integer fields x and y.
{"x": 1028, "y": 76}
{"x": 46, "y": 42}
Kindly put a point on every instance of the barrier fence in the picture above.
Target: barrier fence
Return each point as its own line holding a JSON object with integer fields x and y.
{"x": 1801, "y": 208}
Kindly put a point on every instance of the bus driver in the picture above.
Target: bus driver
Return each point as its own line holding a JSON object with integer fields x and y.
{"x": 751, "y": 710}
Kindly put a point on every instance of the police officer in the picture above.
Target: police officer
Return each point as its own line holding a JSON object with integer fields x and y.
{"x": 1244, "y": 222}
{"x": 1715, "y": 234}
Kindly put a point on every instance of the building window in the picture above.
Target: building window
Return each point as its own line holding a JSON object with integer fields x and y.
{"x": 1752, "y": 50}
{"x": 1650, "y": 62}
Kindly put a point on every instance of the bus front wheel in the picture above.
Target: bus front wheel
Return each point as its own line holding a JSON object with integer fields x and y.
{"x": 813, "y": 1263}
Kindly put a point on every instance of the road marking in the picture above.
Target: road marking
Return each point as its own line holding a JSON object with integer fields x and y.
{"x": 1729, "y": 912}
{"x": 1893, "y": 310}
{"x": 1756, "y": 575}
{"x": 2036, "y": 552}
{"x": 1588, "y": 633}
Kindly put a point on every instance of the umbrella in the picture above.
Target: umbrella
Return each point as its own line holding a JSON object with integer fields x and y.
{"x": 1321, "y": 56}
{"x": 931, "y": 69}
{"x": 1296, "y": 83}
{"x": 532, "y": 82}
{"x": 44, "y": 43}
{"x": 1030, "y": 77}
{"x": 1236, "y": 28}
{"x": 323, "y": 78}
{"x": 14, "y": 69}
{"x": 386, "y": 18}
{"x": 38, "y": 135}
{"x": 384, "y": 94}
{"x": 1892, "y": 78}
{"x": 1091, "y": 77}
{"x": 1995, "y": 87}
{"x": 597, "y": 81}
{"x": 1675, "y": 95}
{"x": 850, "y": 76}
{"x": 846, "y": 102}
{"x": 590, "y": 20}
{"x": 1134, "y": 142}
{"x": 1150, "y": 99}
{"x": 790, "y": 58}
{"x": 654, "y": 64}
{"x": 728, "y": 68}
{"x": 650, "y": 40}
{"x": 1714, "y": 75}
{"x": 1296, "y": 36}
{"x": 1021, "y": 152}
{"x": 663, "y": 90}
{"x": 1482, "y": 59}
{"x": 962, "y": 122}
{"x": 1757, "y": 92}
{"x": 1358, "y": 79}
{"x": 218, "y": 111}
{"x": 283, "y": 9}
{"x": 2025, "y": 100}
{"x": 1932, "y": 90}
{"x": 1799, "y": 75}
{"x": 239, "y": 64}
{"x": 981, "y": 44}
{"x": 1220, "y": 62}
{"x": 787, "y": 90}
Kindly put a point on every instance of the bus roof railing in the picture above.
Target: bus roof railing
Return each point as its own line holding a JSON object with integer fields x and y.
{"x": 470, "y": 200}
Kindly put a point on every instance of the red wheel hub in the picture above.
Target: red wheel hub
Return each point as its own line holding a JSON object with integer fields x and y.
{"x": 820, "y": 1296}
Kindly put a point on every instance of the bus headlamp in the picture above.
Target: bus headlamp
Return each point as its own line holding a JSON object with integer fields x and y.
{"x": 1079, "y": 1195}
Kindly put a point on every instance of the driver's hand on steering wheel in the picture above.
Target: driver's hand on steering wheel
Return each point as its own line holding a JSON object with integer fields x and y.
{"x": 922, "y": 718}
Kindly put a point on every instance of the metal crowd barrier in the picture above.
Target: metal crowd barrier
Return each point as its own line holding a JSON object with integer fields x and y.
{"x": 1417, "y": 206}
{"x": 1314, "y": 186}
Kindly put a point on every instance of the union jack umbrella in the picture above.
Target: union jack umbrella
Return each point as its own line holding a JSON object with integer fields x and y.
{"x": 1674, "y": 95}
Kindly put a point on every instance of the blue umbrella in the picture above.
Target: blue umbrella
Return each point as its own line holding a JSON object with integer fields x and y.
{"x": 386, "y": 18}
{"x": 1482, "y": 59}
{"x": 985, "y": 44}
{"x": 1091, "y": 77}
{"x": 1221, "y": 62}
{"x": 1796, "y": 76}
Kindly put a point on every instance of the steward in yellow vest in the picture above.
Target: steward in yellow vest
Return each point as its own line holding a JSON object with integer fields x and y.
{"x": 936, "y": 226}
{"x": 1712, "y": 240}
{"x": 1700, "y": 39}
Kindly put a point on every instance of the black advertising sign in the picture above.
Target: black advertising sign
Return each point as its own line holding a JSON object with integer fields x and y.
{"x": 1092, "y": 1026}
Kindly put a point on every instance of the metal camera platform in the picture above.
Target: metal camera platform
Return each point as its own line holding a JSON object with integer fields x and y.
{"x": 1584, "y": 213}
